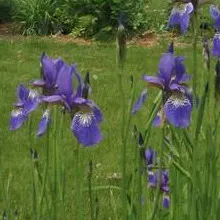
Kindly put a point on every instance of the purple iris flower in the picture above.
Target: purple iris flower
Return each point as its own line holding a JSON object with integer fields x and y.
{"x": 150, "y": 157}
{"x": 166, "y": 201}
{"x": 50, "y": 69}
{"x": 85, "y": 114}
{"x": 28, "y": 101}
{"x": 153, "y": 180}
{"x": 178, "y": 102}
{"x": 177, "y": 106}
{"x": 180, "y": 15}
{"x": 215, "y": 14}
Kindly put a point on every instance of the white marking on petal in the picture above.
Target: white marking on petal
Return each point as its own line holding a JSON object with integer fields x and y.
{"x": 181, "y": 9}
{"x": 33, "y": 94}
{"x": 83, "y": 118}
{"x": 16, "y": 112}
{"x": 46, "y": 114}
{"x": 217, "y": 36}
{"x": 176, "y": 100}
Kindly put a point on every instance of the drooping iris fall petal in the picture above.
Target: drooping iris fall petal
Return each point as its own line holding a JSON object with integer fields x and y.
{"x": 140, "y": 101}
{"x": 44, "y": 122}
{"x": 18, "y": 117}
{"x": 178, "y": 110}
{"x": 86, "y": 129}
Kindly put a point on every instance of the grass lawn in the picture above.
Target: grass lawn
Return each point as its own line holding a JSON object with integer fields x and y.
{"x": 20, "y": 59}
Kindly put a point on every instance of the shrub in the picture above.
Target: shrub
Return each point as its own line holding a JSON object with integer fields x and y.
{"x": 86, "y": 18}
{"x": 6, "y": 9}
{"x": 36, "y": 16}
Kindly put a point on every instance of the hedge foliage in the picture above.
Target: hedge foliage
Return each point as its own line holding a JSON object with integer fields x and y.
{"x": 84, "y": 18}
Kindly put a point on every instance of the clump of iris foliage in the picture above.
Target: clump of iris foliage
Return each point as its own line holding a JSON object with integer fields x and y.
{"x": 168, "y": 168}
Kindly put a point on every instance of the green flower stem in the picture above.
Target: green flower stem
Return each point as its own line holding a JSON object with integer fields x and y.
{"x": 78, "y": 183}
{"x": 90, "y": 190}
{"x": 45, "y": 175}
{"x": 195, "y": 38}
{"x": 156, "y": 202}
{"x": 54, "y": 197}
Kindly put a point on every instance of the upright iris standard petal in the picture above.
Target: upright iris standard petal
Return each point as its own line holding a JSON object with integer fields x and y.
{"x": 18, "y": 117}
{"x": 178, "y": 109}
{"x": 140, "y": 101}
{"x": 215, "y": 13}
{"x": 180, "y": 71}
{"x": 180, "y": 15}
{"x": 64, "y": 80}
{"x": 44, "y": 122}
{"x": 51, "y": 68}
{"x": 86, "y": 128}
{"x": 80, "y": 84}
{"x": 166, "y": 66}
{"x": 216, "y": 45}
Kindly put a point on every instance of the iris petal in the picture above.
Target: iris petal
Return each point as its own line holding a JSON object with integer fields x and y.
{"x": 180, "y": 15}
{"x": 150, "y": 156}
{"x": 51, "y": 68}
{"x": 17, "y": 119}
{"x": 32, "y": 101}
{"x": 216, "y": 45}
{"x": 166, "y": 202}
{"x": 22, "y": 93}
{"x": 184, "y": 22}
{"x": 139, "y": 102}
{"x": 215, "y": 13}
{"x": 85, "y": 128}
{"x": 44, "y": 122}
{"x": 154, "y": 80}
{"x": 79, "y": 79}
{"x": 152, "y": 179}
{"x": 174, "y": 18}
{"x": 52, "y": 99}
{"x": 189, "y": 8}
{"x": 39, "y": 83}
{"x": 64, "y": 80}
{"x": 166, "y": 65}
{"x": 178, "y": 110}
{"x": 97, "y": 113}
{"x": 157, "y": 121}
